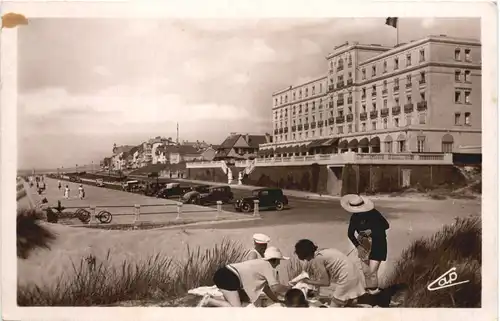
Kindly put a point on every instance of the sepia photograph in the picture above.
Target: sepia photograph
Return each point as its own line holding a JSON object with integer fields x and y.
{"x": 329, "y": 162}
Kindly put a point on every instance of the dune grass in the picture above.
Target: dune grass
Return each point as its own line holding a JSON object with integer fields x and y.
{"x": 30, "y": 234}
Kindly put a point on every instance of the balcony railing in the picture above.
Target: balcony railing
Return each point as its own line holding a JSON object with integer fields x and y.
{"x": 374, "y": 93}
{"x": 286, "y": 129}
{"x": 396, "y": 88}
{"x": 330, "y": 104}
{"x": 422, "y": 105}
{"x": 363, "y": 116}
{"x": 350, "y": 118}
{"x": 408, "y": 85}
{"x": 313, "y": 125}
{"x": 349, "y": 64}
{"x": 340, "y": 68}
{"x": 340, "y": 85}
{"x": 320, "y": 106}
{"x": 384, "y": 91}
{"x": 409, "y": 108}
{"x": 276, "y": 131}
{"x": 349, "y": 100}
{"x": 320, "y": 123}
{"x": 349, "y": 82}
{"x": 384, "y": 111}
{"x": 363, "y": 96}
{"x": 299, "y": 127}
{"x": 340, "y": 103}
{"x": 294, "y": 128}
{"x": 373, "y": 114}
{"x": 331, "y": 121}
{"x": 396, "y": 110}
{"x": 340, "y": 119}
{"x": 421, "y": 82}
{"x": 281, "y": 131}
{"x": 306, "y": 126}
{"x": 331, "y": 87}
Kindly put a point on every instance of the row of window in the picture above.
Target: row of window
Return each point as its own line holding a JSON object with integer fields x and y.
{"x": 395, "y": 65}
{"x": 462, "y": 96}
{"x": 284, "y": 99}
{"x": 340, "y": 63}
{"x": 465, "y": 121}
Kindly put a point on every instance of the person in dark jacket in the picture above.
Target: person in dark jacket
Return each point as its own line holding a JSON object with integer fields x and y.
{"x": 371, "y": 241}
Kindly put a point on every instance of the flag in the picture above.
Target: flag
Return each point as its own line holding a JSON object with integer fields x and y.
{"x": 12, "y": 20}
{"x": 392, "y": 21}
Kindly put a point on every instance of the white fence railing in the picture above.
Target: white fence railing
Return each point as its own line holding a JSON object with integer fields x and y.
{"x": 339, "y": 159}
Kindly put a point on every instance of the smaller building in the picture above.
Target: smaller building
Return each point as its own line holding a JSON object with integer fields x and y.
{"x": 241, "y": 146}
{"x": 209, "y": 153}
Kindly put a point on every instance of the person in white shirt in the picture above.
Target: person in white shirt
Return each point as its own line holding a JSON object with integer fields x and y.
{"x": 80, "y": 191}
{"x": 260, "y": 242}
{"x": 66, "y": 192}
{"x": 248, "y": 279}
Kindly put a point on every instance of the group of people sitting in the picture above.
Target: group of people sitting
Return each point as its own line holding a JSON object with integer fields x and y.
{"x": 246, "y": 281}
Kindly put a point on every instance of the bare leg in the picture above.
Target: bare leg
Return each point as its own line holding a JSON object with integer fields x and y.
{"x": 372, "y": 279}
{"x": 232, "y": 300}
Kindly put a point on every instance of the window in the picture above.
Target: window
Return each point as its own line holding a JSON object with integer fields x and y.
{"x": 458, "y": 97}
{"x": 294, "y": 137}
{"x": 300, "y": 108}
{"x": 349, "y": 128}
{"x": 331, "y": 64}
{"x": 374, "y": 71}
{"x": 385, "y": 85}
{"x": 396, "y": 122}
{"x": 363, "y": 92}
{"x": 408, "y": 99}
{"x": 320, "y": 116}
{"x": 331, "y": 113}
{"x": 294, "y": 96}
{"x": 458, "y": 76}
{"x": 388, "y": 147}
{"x": 321, "y": 131}
{"x": 313, "y": 89}
{"x": 467, "y": 76}
{"x": 313, "y": 133}
{"x": 374, "y": 125}
{"x": 363, "y": 108}
{"x": 313, "y": 105}
{"x": 422, "y": 96}
{"x": 467, "y": 97}
{"x": 385, "y": 66}
{"x": 408, "y": 120}
{"x": 350, "y": 75}
{"x": 385, "y": 103}
{"x": 349, "y": 60}
{"x": 340, "y": 129}
{"x": 363, "y": 74}
{"x": 363, "y": 127}
{"x": 314, "y": 118}
{"x": 281, "y": 100}
{"x": 396, "y": 82}
{"x": 408, "y": 79}
{"x": 421, "y": 145}
{"x": 457, "y": 54}
{"x": 467, "y": 55}
{"x": 300, "y": 94}
{"x": 331, "y": 130}
{"x": 467, "y": 119}
{"x": 422, "y": 77}
{"x": 401, "y": 146}
{"x": 320, "y": 88}
{"x": 276, "y": 102}
{"x": 307, "y": 92}
{"x": 396, "y": 63}
{"x": 306, "y": 134}
{"x": 421, "y": 119}
{"x": 286, "y": 99}
{"x": 408, "y": 60}
{"x": 385, "y": 123}
{"x": 286, "y": 138}
{"x": 374, "y": 106}
{"x": 422, "y": 55}
{"x": 374, "y": 90}
{"x": 457, "y": 118}
{"x": 396, "y": 100}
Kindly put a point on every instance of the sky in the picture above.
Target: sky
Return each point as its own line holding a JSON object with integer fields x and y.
{"x": 85, "y": 84}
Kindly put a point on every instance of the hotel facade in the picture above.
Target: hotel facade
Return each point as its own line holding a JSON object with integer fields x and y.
{"x": 419, "y": 97}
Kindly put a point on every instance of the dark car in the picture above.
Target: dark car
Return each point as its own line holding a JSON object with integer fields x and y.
{"x": 75, "y": 179}
{"x": 173, "y": 189}
{"x": 214, "y": 194}
{"x": 201, "y": 188}
{"x": 269, "y": 198}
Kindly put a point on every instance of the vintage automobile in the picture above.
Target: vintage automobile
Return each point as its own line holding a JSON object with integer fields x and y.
{"x": 99, "y": 182}
{"x": 75, "y": 179}
{"x": 172, "y": 190}
{"x": 201, "y": 188}
{"x": 130, "y": 186}
{"x": 269, "y": 198}
{"x": 214, "y": 194}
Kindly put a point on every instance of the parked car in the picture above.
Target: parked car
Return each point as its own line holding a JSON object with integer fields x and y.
{"x": 214, "y": 194}
{"x": 173, "y": 189}
{"x": 130, "y": 186}
{"x": 267, "y": 197}
{"x": 201, "y": 188}
{"x": 99, "y": 182}
{"x": 75, "y": 179}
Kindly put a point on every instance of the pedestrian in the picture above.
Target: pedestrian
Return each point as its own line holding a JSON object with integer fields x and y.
{"x": 66, "y": 192}
{"x": 80, "y": 191}
{"x": 260, "y": 242}
{"x": 335, "y": 272}
{"x": 371, "y": 242}
{"x": 59, "y": 185}
{"x": 246, "y": 281}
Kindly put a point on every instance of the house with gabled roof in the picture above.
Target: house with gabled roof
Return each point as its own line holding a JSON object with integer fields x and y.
{"x": 241, "y": 146}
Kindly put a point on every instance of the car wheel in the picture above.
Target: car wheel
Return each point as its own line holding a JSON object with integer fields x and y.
{"x": 246, "y": 208}
{"x": 280, "y": 206}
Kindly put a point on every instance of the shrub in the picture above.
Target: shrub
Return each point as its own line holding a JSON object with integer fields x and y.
{"x": 30, "y": 234}
{"x": 157, "y": 278}
{"x": 457, "y": 245}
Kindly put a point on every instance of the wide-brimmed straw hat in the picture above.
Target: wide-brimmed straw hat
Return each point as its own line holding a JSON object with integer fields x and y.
{"x": 261, "y": 238}
{"x": 354, "y": 203}
{"x": 274, "y": 253}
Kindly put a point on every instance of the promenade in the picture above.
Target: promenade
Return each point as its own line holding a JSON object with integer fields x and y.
{"x": 121, "y": 205}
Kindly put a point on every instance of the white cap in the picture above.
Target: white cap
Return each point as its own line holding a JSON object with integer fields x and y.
{"x": 274, "y": 253}
{"x": 261, "y": 238}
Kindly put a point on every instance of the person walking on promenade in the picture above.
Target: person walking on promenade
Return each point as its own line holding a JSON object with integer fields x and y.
{"x": 260, "y": 242}
{"x": 59, "y": 185}
{"x": 371, "y": 242}
{"x": 246, "y": 281}
{"x": 335, "y": 271}
{"x": 81, "y": 192}
{"x": 66, "y": 192}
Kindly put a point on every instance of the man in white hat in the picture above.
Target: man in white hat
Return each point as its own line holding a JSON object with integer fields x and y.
{"x": 248, "y": 279}
{"x": 371, "y": 242}
{"x": 260, "y": 242}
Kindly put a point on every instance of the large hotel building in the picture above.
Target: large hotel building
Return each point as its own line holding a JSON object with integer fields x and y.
{"x": 422, "y": 97}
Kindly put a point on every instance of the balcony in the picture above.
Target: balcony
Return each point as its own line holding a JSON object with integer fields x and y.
{"x": 422, "y": 82}
{"x": 384, "y": 91}
{"x": 331, "y": 87}
{"x": 281, "y": 131}
{"x": 340, "y": 119}
{"x": 374, "y": 93}
{"x": 373, "y": 114}
{"x": 330, "y": 104}
{"x": 286, "y": 130}
{"x": 294, "y": 128}
{"x": 408, "y": 85}
{"x": 320, "y": 123}
{"x": 384, "y": 112}
{"x": 320, "y": 106}
{"x": 340, "y": 68}
{"x": 349, "y": 65}
{"x": 363, "y": 96}
{"x": 275, "y": 131}
{"x": 350, "y": 118}
{"x": 363, "y": 116}
{"x": 349, "y": 100}
{"x": 349, "y": 82}
{"x": 340, "y": 85}
{"x": 396, "y": 88}
{"x": 306, "y": 126}
{"x": 299, "y": 127}
{"x": 340, "y": 103}
{"x": 313, "y": 125}
{"x": 331, "y": 121}
{"x": 409, "y": 108}
{"x": 396, "y": 110}
{"x": 422, "y": 105}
